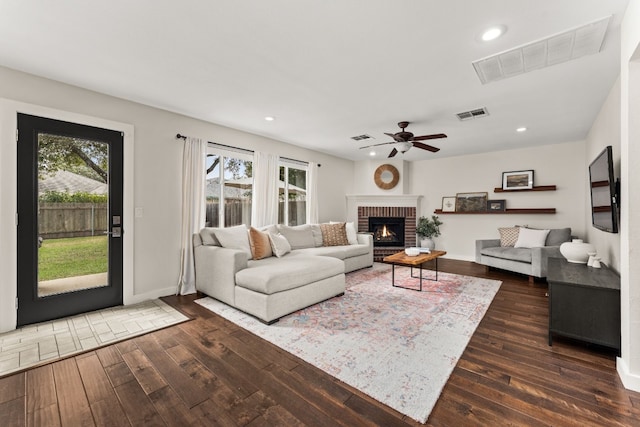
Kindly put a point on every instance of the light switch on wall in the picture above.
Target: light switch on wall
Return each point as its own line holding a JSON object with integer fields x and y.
{"x": 139, "y": 212}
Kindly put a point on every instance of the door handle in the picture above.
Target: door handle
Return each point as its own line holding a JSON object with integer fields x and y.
{"x": 115, "y": 232}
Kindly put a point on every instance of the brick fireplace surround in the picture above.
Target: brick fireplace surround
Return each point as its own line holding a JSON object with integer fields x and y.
{"x": 407, "y": 212}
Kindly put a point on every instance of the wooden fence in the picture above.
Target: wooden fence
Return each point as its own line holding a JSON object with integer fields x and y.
{"x": 56, "y": 220}
{"x": 236, "y": 213}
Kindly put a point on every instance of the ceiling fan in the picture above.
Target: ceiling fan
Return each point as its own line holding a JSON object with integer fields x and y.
{"x": 404, "y": 140}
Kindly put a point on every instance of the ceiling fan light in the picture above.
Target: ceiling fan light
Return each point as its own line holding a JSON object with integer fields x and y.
{"x": 403, "y": 147}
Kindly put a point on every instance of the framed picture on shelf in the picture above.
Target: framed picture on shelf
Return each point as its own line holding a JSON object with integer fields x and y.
{"x": 471, "y": 202}
{"x": 517, "y": 180}
{"x": 449, "y": 204}
{"x": 496, "y": 205}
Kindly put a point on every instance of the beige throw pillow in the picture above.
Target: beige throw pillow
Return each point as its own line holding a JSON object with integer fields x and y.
{"x": 299, "y": 236}
{"x": 234, "y": 238}
{"x": 208, "y": 236}
{"x": 260, "y": 244}
{"x": 334, "y": 234}
{"x": 509, "y": 236}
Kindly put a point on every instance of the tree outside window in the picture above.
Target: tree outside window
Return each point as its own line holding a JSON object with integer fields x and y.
{"x": 228, "y": 190}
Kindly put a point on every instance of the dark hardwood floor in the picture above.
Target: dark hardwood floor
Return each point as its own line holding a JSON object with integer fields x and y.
{"x": 210, "y": 372}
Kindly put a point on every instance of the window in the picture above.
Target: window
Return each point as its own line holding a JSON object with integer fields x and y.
{"x": 229, "y": 184}
{"x": 292, "y": 209}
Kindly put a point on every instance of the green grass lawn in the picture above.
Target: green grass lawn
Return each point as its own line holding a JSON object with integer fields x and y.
{"x": 58, "y": 258}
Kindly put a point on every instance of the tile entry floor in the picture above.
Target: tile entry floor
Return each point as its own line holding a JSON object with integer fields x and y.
{"x": 35, "y": 344}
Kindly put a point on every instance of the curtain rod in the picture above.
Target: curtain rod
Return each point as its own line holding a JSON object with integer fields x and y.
{"x": 180, "y": 136}
{"x": 217, "y": 144}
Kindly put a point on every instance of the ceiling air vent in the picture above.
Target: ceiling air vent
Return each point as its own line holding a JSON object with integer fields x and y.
{"x": 566, "y": 46}
{"x": 473, "y": 114}
{"x": 361, "y": 137}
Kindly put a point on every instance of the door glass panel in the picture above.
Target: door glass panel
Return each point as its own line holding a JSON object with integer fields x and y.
{"x": 73, "y": 213}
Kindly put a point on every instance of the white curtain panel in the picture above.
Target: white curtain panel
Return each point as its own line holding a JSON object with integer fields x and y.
{"x": 312, "y": 193}
{"x": 264, "y": 206}
{"x": 193, "y": 208}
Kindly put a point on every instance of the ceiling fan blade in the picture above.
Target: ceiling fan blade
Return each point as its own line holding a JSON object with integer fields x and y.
{"x": 425, "y": 137}
{"x": 426, "y": 147}
{"x": 394, "y": 136}
{"x": 375, "y": 145}
{"x": 393, "y": 153}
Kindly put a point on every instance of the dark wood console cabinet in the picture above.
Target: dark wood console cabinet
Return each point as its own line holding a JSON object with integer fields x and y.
{"x": 584, "y": 303}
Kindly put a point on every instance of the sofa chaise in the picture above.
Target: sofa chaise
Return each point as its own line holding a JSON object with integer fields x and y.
{"x": 522, "y": 250}
{"x": 303, "y": 265}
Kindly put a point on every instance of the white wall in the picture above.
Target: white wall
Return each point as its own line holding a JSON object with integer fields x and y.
{"x": 629, "y": 364}
{"x": 156, "y": 176}
{"x": 363, "y": 177}
{"x": 562, "y": 165}
{"x": 605, "y": 131}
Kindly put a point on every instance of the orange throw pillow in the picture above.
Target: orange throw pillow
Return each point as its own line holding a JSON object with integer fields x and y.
{"x": 260, "y": 244}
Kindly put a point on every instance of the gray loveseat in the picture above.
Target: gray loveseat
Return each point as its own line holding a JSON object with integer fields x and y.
{"x": 273, "y": 287}
{"x": 529, "y": 261}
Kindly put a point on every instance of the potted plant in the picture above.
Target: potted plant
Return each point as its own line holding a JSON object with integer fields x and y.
{"x": 427, "y": 229}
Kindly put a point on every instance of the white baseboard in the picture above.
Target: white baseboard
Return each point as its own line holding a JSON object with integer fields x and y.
{"x": 156, "y": 293}
{"x": 460, "y": 257}
{"x": 629, "y": 380}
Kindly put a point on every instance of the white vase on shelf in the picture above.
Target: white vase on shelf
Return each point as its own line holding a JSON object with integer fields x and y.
{"x": 576, "y": 251}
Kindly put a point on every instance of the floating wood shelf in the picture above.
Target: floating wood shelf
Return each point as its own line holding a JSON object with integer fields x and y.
{"x": 507, "y": 211}
{"x": 536, "y": 188}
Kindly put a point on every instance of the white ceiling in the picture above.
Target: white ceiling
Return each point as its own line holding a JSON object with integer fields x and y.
{"x": 326, "y": 69}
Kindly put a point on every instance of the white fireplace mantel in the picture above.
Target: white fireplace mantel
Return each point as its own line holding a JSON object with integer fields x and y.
{"x": 403, "y": 200}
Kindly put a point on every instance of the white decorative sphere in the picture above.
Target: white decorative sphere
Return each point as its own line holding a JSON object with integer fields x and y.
{"x": 412, "y": 251}
{"x": 576, "y": 251}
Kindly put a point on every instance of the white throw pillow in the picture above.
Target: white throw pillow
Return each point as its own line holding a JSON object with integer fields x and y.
{"x": 352, "y": 235}
{"x": 234, "y": 238}
{"x": 279, "y": 245}
{"x": 530, "y": 238}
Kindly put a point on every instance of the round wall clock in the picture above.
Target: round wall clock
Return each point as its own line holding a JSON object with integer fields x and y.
{"x": 386, "y": 177}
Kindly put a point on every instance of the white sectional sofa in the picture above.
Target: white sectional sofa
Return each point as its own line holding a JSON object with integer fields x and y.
{"x": 274, "y": 286}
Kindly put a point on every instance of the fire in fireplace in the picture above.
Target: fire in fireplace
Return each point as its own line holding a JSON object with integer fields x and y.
{"x": 387, "y": 231}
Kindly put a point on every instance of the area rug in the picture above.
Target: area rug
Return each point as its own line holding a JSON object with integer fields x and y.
{"x": 46, "y": 342}
{"x": 398, "y": 346}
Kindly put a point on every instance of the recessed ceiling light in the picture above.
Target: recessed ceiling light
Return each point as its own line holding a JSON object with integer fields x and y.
{"x": 522, "y": 129}
{"x": 493, "y": 33}
{"x": 269, "y": 118}
{"x": 372, "y": 153}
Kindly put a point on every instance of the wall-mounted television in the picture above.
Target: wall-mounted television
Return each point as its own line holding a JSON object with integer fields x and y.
{"x": 604, "y": 192}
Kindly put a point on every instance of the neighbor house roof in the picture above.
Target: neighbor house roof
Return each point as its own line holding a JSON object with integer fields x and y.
{"x": 68, "y": 182}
